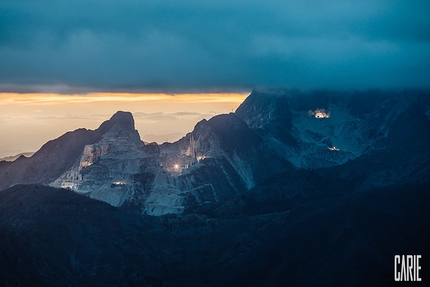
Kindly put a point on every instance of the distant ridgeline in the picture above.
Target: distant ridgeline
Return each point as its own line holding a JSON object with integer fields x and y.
{"x": 272, "y": 132}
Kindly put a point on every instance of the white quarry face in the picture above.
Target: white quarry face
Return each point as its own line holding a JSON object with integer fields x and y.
{"x": 120, "y": 169}
{"x": 323, "y": 136}
{"x": 107, "y": 170}
{"x": 104, "y": 168}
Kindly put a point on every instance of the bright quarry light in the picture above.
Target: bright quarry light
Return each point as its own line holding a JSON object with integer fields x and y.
{"x": 119, "y": 182}
{"x": 319, "y": 114}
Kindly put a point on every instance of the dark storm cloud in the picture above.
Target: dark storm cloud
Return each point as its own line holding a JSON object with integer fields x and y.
{"x": 193, "y": 45}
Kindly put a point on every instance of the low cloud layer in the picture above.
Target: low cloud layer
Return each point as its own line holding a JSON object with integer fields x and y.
{"x": 196, "y": 45}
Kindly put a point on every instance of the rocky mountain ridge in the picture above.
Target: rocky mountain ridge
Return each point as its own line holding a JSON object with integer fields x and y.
{"x": 272, "y": 133}
{"x": 325, "y": 128}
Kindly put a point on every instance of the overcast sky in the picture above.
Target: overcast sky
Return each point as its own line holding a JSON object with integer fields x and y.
{"x": 84, "y": 46}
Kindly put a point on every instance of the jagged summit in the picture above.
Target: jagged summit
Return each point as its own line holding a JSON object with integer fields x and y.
{"x": 273, "y": 132}
{"x": 58, "y": 155}
{"x": 323, "y": 128}
{"x": 121, "y": 120}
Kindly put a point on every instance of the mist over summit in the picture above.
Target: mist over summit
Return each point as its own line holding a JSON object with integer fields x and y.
{"x": 286, "y": 168}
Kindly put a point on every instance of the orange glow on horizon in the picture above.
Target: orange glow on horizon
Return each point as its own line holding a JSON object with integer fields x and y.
{"x": 52, "y": 99}
{"x": 158, "y": 117}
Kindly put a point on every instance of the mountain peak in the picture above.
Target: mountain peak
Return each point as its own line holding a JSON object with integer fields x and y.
{"x": 123, "y": 118}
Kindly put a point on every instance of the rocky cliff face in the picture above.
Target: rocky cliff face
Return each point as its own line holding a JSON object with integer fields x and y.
{"x": 273, "y": 132}
{"x": 49, "y": 162}
{"x": 324, "y": 128}
{"x": 57, "y": 156}
{"x": 206, "y": 167}
{"x": 105, "y": 168}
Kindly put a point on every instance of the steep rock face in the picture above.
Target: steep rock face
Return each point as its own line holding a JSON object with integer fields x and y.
{"x": 245, "y": 150}
{"x": 219, "y": 159}
{"x": 49, "y": 162}
{"x": 58, "y": 155}
{"x": 323, "y": 128}
{"x": 109, "y": 164}
{"x": 228, "y": 137}
{"x": 273, "y": 133}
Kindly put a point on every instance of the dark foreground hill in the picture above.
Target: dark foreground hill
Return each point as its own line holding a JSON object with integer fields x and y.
{"x": 52, "y": 237}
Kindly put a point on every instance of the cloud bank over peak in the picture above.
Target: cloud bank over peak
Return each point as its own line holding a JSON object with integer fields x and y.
{"x": 183, "y": 46}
